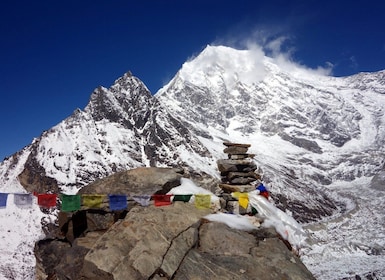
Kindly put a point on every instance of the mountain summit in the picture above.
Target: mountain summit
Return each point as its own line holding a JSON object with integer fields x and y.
{"x": 313, "y": 135}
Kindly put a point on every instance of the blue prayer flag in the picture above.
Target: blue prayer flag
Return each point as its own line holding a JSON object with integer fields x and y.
{"x": 3, "y": 200}
{"x": 117, "y": 202}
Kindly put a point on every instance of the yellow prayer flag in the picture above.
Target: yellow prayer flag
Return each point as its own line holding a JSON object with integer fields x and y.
{"x": 93, "y": 200}
{"x": 202, "y": 201}
{"x": 243, "y": 198}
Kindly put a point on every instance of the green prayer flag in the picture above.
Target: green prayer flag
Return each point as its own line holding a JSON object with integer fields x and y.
{"x": 182, "y": 197}
{"x": 70, "y": 203}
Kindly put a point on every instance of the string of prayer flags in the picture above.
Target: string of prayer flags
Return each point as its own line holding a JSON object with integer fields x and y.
{"x": 93, "y": 200}
{"x": 46, "y": 200}
{"x": 23, "y": 200}
{"x": 70, "y": 203}
{"x": 143, "y": 200}
{"x": 117, "y": 202}
{"x": 182, "y": 197}
{"x": 161, "y": 199}
{"x": 3, "y": 200}
{"x": 202, "y": 201}
{"x": 243, "y": 198}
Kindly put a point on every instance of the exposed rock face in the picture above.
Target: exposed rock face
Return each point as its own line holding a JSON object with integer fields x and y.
{"x": 34, "y": 177}
{"x": 225, "y": 253}
{"x": 172, "y": 242}
{"x": 149, "y": 240}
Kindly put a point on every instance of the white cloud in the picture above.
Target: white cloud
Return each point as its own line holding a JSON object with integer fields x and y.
{"x": 271, "y": 42}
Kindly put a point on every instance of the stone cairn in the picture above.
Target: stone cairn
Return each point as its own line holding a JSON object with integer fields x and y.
{"x": 237, "y": 175}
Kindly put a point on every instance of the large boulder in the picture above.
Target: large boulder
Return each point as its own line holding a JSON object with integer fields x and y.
{"x": 170, "y": 242}
{"x": 176, "y": 242}
{"x": 141, "y": 180}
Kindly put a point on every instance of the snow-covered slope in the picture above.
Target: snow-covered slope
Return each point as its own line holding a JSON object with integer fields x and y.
{"x": 317, "y": 139}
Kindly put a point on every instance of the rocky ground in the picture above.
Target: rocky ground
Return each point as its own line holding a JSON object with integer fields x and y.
{"x": 168, "y": 242}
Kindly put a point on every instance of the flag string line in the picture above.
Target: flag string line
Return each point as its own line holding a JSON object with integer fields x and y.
{"x": 70, "y": 203}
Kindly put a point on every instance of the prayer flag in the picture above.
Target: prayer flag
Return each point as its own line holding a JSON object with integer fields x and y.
{"x": 202, "y": 201}
{"x": 182, "y": 197}
{"x": 143, "y": 200}
{"x": 117, "y": 202}
{"x": 70, "y": 203}
{"x": 161, "y": 199}
{"x": 3, "y": 200}
{"x": 243, "y": 198}
{"x": 46, "y": 200}
{"x": 243, "y": 201}
{"x": 22, "y": 200}
{"x": 93, "y": 200}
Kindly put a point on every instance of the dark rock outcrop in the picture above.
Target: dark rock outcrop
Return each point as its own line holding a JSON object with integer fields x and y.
{"x": 34, "y": 178}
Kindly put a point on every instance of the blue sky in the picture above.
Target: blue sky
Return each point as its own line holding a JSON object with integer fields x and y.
{"x": 54, "y": 53}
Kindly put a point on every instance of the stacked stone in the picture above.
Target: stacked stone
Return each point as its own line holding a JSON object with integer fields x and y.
{"x": 237, "y": 174}
{"x": 238, "y": 171}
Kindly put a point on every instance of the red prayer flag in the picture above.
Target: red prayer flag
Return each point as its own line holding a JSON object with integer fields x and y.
{"x": 46, "y": 200}
{"x": 161, "y": 199}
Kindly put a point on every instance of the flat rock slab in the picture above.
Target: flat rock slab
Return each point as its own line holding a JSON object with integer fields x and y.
{"x": 142, "y": 180}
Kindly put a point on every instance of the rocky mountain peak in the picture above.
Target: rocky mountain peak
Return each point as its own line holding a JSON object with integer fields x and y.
{"x": 126, "y": 97}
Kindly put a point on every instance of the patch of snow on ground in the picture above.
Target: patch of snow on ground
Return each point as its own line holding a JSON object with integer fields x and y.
{"x": 233, "y": 221}
{"x": 20, "y": 229}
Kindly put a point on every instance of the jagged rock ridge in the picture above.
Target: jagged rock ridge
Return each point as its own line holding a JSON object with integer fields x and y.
{"x": 120, "y": 128}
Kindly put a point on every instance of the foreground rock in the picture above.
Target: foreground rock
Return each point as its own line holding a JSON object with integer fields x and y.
{"x": 150, "y": 240}
{"x": 168, "y": 242}
{"x": 172, "y": 242}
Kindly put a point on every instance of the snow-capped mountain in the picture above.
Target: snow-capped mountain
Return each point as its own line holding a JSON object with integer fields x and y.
{"x": 318, "y": 141}
{"x": 121, "y": 128}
